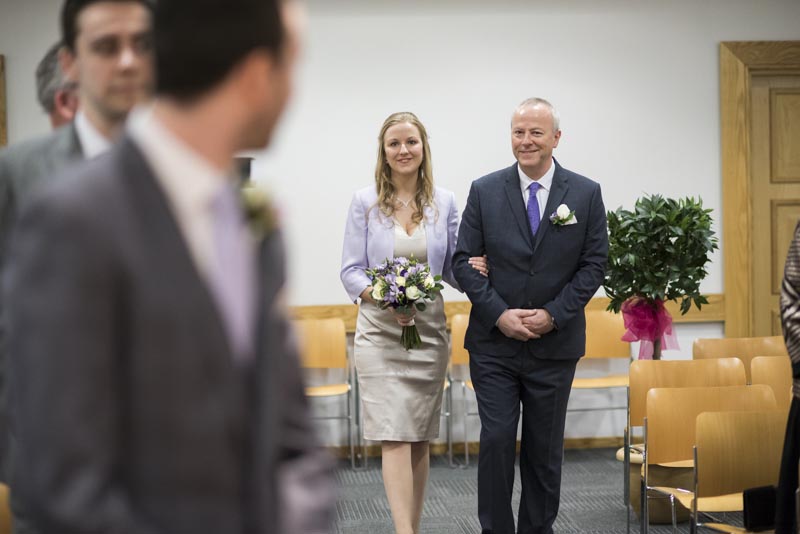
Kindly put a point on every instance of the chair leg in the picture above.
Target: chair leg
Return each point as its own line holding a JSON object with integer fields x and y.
{"x": 626, "y": 458}
{"x": 674, "y": 514}
{"x": 359, "y": 418}
{"x": 350, "y": 440}
{"x": 449, "y": 405}
{"x": 464, "y": 404}
{"x": 645, "y": 520}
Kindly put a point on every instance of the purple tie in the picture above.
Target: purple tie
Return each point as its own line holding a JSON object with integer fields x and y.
{"x": 233, "y": 272}
{"x": 533, "y": 207}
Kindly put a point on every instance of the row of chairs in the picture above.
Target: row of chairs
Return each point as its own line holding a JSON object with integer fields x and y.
{"x": 666, "y": 395}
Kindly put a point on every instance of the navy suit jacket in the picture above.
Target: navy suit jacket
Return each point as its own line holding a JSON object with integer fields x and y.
{"x": 558, "y": 270}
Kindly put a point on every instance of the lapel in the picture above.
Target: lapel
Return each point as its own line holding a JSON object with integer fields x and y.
{"x": 170, "y": 258}
{"x": 431, "y": 223}
{"x": 516, "y": 203}
{"x": 557, "y": 192}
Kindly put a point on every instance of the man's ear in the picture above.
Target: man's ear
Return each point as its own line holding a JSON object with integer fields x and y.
{"x": 66, "y": 103}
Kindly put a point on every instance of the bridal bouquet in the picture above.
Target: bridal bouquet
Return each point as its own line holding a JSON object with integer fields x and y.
{"x": 404, "y": 284}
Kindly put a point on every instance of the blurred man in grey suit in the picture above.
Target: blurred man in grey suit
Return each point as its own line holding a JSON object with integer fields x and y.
{"x": 57, "y": 95}
{"x": 154, "y": 384}
{"x": 106, "y": 53}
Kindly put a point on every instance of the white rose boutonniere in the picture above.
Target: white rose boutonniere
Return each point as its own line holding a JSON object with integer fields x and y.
{"x": 563, "y": 216}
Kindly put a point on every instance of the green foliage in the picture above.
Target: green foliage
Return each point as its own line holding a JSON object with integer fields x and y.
{"x": 659, "y": 251}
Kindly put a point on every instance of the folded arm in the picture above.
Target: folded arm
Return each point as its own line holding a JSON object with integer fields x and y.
{"x": 487, "y": 304}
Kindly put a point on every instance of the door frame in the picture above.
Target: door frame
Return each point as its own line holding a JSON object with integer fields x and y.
{"x": 739, "y": 61}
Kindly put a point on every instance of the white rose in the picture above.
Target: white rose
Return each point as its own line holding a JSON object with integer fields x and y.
{"x": 400, "y": 281}
{"x": 413, "y": 293}
{"x": 377, "y": 290}
{"x": 429, "y": 282}
{"x": 563, "y": 211}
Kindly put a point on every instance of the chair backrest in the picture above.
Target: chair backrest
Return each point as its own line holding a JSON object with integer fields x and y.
{"x": 604, "y": 330}
{"x": 323, "y": 343}
{"x": 744, "y": 348}
{"x": 671, "y": 413}
{"x": 775, "y": 372}
{"x": 458, "y": 329}
{"x": 647, "y": 374}
{"x": 738, "y": 450}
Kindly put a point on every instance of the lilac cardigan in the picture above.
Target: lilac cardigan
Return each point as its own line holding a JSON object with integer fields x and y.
{"x": 369, "y": 241}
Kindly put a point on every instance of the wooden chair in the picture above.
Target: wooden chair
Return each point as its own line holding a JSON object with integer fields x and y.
{"x": 670, "y": 436}
{"x": 459, "y": 357}
{"x": 734, "y": 451}
{"x": 5, "y": 511}
{"x": 647, "y": 374}
{"x": 744, "y": 348}
{"x": 323, "y": 345}
{"x": 604, "y": 330}
{"x": 776, "y": 373}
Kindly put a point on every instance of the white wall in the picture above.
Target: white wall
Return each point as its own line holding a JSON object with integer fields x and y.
{"x": 636, "y": 82}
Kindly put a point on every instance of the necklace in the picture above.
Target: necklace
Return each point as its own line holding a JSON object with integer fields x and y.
{"x": 403, "y": 203}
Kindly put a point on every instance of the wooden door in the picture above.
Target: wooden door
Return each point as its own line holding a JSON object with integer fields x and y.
{"x": 760, "y": 120}
{"x": 775, "y": 172}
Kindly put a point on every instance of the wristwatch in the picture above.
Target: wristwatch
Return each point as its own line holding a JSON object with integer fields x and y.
{"x": 553, "y": 322}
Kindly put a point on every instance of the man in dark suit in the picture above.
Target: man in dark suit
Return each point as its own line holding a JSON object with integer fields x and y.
{"x": 155, "y": 387}
{"x": 543, "y": 229}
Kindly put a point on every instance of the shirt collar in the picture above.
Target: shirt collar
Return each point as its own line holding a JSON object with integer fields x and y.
{"x": 545, "y": 182}
{"x": 93, "y": 143}
{"x": 186, "y": 176}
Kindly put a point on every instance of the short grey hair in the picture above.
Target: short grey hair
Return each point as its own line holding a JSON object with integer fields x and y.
{"x": 50, "y": 78}
{"x": 536, "y": 101}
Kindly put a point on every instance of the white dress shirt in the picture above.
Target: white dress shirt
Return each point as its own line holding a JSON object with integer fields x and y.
{"x": 189, "y": 181}
{"x": 93, "y": 143}
{"x": 545, "y": 183}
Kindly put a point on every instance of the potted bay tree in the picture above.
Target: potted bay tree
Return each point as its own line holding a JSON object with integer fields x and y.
{"x": 657, "y": 252}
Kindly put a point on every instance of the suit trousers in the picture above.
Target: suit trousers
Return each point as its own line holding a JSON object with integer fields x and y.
{"x": 542, "y": 388}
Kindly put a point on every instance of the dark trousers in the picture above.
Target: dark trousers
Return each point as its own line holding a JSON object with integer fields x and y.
{"x": 542, "y": 388}
{"x": 785, "y": 514}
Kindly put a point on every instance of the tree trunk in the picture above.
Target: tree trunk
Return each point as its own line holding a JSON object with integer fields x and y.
{"x": 657, "y": 349}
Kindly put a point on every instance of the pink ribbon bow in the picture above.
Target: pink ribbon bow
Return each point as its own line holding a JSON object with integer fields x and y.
{"x": 647, "y": 321}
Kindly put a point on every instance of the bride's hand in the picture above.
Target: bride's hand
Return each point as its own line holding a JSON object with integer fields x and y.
{"x": 405, "y": 319}
{"x": 480, "y": 264}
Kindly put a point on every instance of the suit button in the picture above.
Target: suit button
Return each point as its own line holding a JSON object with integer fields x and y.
{"x": 532, "y": 272}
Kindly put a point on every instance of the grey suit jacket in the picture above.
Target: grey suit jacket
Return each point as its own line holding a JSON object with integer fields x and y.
{"x": 24, "y": 167}
{"x": 129, "y": 413}
{"x": 559, "y": 269}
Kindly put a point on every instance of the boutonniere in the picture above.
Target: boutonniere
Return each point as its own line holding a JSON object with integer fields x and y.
{"x": 563, "y": 216}
{"x": 258, "y": 210}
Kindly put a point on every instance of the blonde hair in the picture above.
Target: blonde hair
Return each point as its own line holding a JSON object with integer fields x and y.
{"x": 383, "y": 173}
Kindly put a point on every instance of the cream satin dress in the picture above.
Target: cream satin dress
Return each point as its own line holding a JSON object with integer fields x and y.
{"x": 401, "y": 391}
